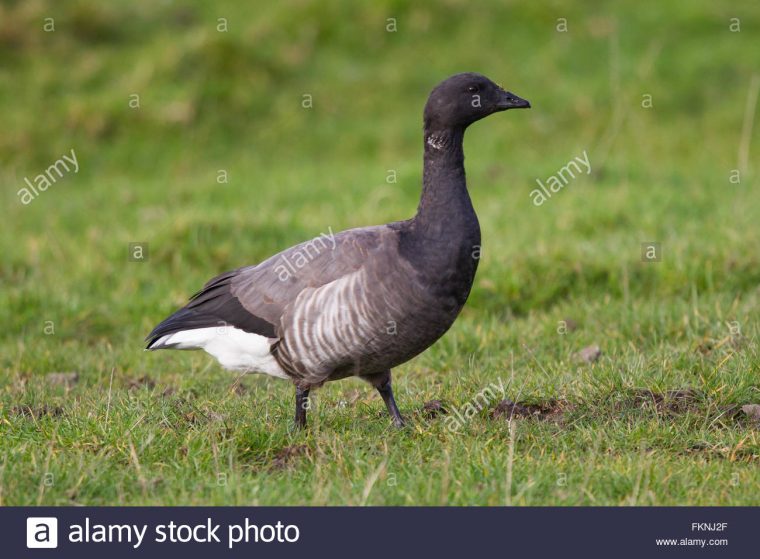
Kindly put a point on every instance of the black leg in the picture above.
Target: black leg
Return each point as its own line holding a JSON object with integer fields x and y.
{"x": 302, "y": 404}
{"x": 387, "y": 393}
{"x": 383, "y": 384}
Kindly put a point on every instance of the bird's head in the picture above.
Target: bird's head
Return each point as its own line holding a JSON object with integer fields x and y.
{"x": 465, "y": 98}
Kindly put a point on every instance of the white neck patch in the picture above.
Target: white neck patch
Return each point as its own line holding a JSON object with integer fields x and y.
{"x": 435, "y": 142}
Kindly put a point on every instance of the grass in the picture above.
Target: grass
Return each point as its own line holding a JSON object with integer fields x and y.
{"x": 655, "y": 421}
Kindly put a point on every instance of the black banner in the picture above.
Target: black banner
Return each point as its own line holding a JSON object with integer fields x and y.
{"x": 382, "y": 532}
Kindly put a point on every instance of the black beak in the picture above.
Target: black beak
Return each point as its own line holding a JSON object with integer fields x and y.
{"x": 511, "y": 101}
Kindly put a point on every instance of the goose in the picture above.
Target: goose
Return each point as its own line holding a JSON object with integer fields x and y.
{"x": 368, "y": 300}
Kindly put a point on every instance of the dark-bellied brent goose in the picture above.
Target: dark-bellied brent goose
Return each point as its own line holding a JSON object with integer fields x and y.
{"x": 375, "y": 297}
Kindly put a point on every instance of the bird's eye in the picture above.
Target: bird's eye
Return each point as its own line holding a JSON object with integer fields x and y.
{"x": 473, "y": 89}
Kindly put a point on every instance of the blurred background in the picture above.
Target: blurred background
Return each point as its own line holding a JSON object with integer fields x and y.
{"x": 221, "y": 89}
{"x": 219, "y": 133}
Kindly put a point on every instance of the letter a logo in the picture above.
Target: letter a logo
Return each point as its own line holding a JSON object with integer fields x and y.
{"x": 41, "y": 532}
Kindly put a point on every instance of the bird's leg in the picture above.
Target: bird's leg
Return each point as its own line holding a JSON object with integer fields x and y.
{"x": 302, "y": 404}
{"x": 382, "y": 383}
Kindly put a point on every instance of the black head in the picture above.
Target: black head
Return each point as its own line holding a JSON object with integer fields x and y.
{"x": 465, "y": 98}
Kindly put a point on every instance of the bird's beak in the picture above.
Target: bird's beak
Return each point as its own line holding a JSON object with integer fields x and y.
{"x": 509, "y": 100}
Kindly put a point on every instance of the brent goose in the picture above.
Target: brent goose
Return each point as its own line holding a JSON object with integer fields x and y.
{"x": 370, "y": 300}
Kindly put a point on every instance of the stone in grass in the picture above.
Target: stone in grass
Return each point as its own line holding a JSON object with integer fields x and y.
{"x": 36, "y": 412}
{"x": 677, "y": 401}
{"x": 752, "y": 411}
{"x": 287, "y": 456}
{"x": 67, "y": 380}
{"x": 143, "y": 381}
{"x": 510, "y": 409}
{"x": 434, "y": 408}
{"x": 549, "y": 410}
{"x": 589, "y": 354}
{"x": 570, "y": 324}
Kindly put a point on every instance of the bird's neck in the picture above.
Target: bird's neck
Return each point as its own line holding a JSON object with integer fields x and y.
{"x": 445, "y": 203}
{"x": 443, "y": 239}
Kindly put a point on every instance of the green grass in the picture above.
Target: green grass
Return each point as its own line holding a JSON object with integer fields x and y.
{"x": 173, "y": 428}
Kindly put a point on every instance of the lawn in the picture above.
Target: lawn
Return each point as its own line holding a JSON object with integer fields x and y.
{"x": 212, "y": 136}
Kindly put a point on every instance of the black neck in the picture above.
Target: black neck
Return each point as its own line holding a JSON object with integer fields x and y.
{"x": 443, "y": 239}
{"x": 444, "y": 202}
